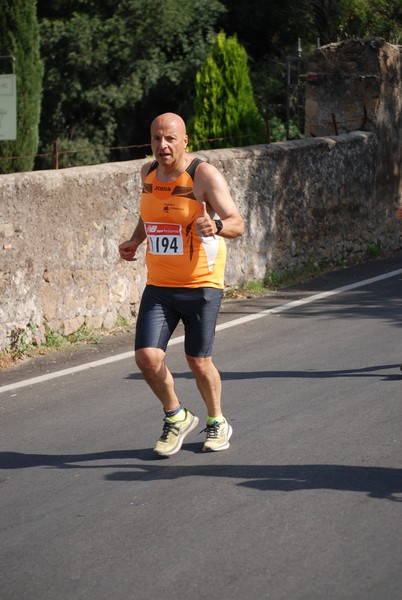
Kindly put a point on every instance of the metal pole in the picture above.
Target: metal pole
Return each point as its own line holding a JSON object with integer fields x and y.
{"x": 55, "y": 155}
{"x": 287, "y": 96}
{"x": 299, "y": 56}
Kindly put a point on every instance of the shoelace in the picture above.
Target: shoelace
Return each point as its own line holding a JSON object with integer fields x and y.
{"x": 212, "y": 431}
{"x": 169, "y": 428}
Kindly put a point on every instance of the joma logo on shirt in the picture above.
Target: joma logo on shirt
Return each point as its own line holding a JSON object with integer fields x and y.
{"x": 161, "y": 188}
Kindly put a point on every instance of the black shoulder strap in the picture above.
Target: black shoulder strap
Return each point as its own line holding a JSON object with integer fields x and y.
{"x": 193, "y": 166}
{"x": 153, "y": 166}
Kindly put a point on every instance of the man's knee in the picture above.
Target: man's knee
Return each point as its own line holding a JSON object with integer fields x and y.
{"x": 199, "y": 364}
{"x": 149, "y": 359}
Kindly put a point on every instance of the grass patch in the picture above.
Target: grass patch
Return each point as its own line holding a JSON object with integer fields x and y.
{"x": 23, "y": 343}
{"x": 122, "y": 323}
{"x": 83, "y": 336}
{"x": 274, "y": 280}
{"x": 373, "y": 251}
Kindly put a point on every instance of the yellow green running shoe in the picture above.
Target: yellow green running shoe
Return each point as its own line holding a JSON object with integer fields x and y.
{"x": 173, "y": 434}
{"x": 218, "y": 436}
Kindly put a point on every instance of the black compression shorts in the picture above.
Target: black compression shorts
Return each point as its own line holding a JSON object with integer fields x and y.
{"x": 162, "y": 308}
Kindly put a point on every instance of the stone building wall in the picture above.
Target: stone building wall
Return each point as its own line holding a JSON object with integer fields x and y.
{"x": 356, "y": 85}
{"x": 327, "y": 197}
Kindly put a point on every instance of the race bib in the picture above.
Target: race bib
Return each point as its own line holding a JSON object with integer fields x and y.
{"x": 164, "y": 238}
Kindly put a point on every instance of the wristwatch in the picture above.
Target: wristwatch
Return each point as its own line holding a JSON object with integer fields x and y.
{"x": 219, "y": 225}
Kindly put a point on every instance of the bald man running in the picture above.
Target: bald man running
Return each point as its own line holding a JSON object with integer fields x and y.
{"x": 186, "y": 211}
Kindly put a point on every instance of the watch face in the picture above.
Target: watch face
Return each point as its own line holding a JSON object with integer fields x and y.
{"x": 219, "y": 225}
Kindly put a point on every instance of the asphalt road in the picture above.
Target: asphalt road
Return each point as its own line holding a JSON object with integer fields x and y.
{"x": 305, "y": 505}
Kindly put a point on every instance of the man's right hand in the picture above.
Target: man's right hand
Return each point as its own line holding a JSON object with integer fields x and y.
{"x": 127, "y": 250}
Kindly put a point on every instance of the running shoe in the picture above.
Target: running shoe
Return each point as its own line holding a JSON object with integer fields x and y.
{"x": 218, "y": 436}
{"x": 173, "y": 434}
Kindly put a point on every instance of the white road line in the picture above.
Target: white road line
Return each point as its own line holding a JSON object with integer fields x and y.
{"x": 227, "y": 325}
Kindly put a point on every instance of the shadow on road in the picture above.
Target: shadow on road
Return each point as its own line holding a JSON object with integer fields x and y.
{"x": 376, "y": 482}
{"x": 373, "y": 371}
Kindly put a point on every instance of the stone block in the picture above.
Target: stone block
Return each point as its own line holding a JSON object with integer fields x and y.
{"x": 72, "y": 325}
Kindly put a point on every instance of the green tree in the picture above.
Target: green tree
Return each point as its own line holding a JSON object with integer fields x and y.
{"x": 225, "y": 109}
{"x": 111, "y": 67}
{"x": 269, "y": 28}
{"x": 19, "y": 37}
{"x": 269, "y": 31}
{"x": 371, "y": 18}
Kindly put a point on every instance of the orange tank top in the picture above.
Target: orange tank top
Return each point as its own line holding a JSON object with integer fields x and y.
{"x": 177, "y": 254}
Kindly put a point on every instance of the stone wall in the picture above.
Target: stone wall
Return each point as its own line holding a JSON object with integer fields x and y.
{"x": 356, "y": 85}
{"x": 321, "y": 198}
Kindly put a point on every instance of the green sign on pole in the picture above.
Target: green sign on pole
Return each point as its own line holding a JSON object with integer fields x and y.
{"x": 8, "y": 107}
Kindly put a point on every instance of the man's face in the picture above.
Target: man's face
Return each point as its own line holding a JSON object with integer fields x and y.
{"x": 168, "y": 141}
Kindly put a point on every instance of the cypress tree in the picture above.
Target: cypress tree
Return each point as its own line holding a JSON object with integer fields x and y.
{"x": 225, "y": 109}
{"x": 19, "y": 37}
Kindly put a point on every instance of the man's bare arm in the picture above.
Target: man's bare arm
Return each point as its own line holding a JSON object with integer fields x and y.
{"x": 128, "y": 249}
{"x": 211, "y": 187}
